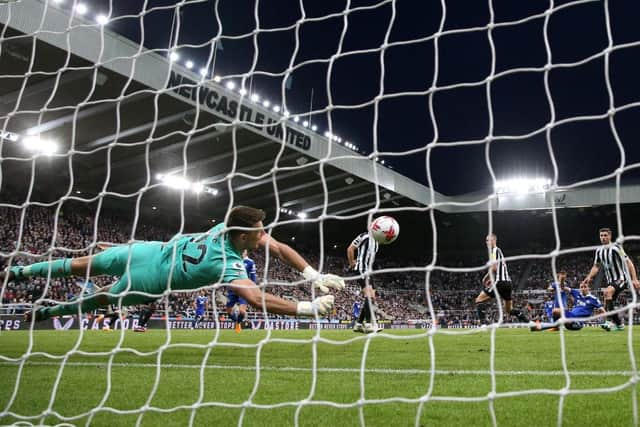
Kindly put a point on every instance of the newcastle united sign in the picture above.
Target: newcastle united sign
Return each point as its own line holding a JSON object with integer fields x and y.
{"x": 218, "y": 103}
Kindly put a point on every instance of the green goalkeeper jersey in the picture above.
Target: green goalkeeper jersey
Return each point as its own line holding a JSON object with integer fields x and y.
{"x": 201, "y": 259}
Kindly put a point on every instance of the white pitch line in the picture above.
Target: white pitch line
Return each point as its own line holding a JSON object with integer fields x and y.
{"x": 342, "y": 370}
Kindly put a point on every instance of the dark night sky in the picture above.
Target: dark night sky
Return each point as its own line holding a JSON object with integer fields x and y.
{"x": 583, "y": 150}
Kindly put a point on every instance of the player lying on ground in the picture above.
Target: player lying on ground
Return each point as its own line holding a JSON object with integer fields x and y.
{"x": 584, "y": 305}
{"x": 619, "y": 274}
{"x": 185, "y": 262}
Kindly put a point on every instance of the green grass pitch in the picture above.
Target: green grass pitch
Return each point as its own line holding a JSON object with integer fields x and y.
{"x": 119, "y": 375}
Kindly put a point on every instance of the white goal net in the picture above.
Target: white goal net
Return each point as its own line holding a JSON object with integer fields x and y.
{"x": 137, "y": 121}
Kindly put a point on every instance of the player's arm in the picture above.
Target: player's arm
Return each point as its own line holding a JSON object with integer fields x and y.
{"x": 486, "y": 280}
{"x": 493, "y": 268}
{"x": 575, "y": 294}
{"x": 352, "y": 248}
{"x": 291, "y": 257}
{"x": 592, "y": 273}
{"x": 283, "y": 252}
{"x": 351, "y": 255}
{"x": 248, "y": 290}
{"x": 632, "y": 272}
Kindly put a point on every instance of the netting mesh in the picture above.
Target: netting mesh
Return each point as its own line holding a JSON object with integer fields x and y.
{"x": 45, "y": 46}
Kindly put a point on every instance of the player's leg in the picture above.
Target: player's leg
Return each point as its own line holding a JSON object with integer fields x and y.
{"x": 242, "y": 314}
{"x": 112, "y": 261}
{"x": 482, "y": 303}
{"x": 93, "y": 301}
{"x": 542, "y": 326}
{"x": 610, "y": 295}
{"x": 113, "y": 313}
{"x": 505, "y": 290}
{"x": 364, "y": 319}
{"x": 196, "y": 320}
{"x": 232, "y": 300}
{"x": 145, "y": 315}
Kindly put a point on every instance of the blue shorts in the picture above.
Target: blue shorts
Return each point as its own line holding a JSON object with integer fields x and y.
{"x": 233, "y": 299}
{"x": 574, "y": 326}
{"x": 573, "y": 313}
{"x": 199, "y": 313}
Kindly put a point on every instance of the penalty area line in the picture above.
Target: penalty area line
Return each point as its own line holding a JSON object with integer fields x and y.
{"x": 391, "y": 371}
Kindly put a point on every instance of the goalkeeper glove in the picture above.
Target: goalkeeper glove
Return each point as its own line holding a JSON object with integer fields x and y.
{"x": 320, "y": 306}
{"x": 323, "y": 282}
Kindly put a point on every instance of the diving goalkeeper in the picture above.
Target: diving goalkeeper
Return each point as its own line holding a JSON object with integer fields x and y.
{"x": 185, "y": 262}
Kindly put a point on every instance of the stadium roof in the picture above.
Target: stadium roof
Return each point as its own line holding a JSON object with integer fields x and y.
{"x": 139, "y": 114}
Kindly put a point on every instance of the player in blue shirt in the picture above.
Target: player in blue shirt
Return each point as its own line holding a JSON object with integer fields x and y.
{"x": 548, "y": 309}
{"x": 561, "y": 283}
{"x": 355, "y": 311}
{"x": 584, "y": 305}
{"x": 240, "y": 314}
{"x": 202, "y": 304}
{"x": 556, "y": 301}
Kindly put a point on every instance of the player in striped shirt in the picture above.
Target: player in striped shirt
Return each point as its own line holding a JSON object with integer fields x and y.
{"x": 619, "y": 274}
{"x": 361, "y": 254}
{"x": 496, "y": 279}
{"x": 584, "y": 305}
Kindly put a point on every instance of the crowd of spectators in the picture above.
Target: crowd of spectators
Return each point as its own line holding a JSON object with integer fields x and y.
{"x": 416, "y": 292}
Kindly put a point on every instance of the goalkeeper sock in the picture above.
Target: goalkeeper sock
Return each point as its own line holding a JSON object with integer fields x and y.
{"x": 59, "y": 268}
{"x": 234, "y": 316}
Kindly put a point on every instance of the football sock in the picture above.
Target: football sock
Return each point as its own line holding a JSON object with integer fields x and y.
{"x": 365, "y": 315}
{"x": 615, "y": 318}
{"x": 481, "y": 307}
{"x": 520, "y": 315}
{"x": 59, "y": 268}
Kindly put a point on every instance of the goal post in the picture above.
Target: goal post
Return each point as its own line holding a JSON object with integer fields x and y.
{"x": 124, "y": 122}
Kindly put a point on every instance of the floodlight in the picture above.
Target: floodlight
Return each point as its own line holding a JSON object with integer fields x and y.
{"x": 81, "y": 8}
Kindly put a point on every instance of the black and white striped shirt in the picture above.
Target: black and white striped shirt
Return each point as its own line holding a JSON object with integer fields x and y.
{"x": 501, "y": 274}
{"x": 367, "y": 249}
{"x": 613, "y": 261}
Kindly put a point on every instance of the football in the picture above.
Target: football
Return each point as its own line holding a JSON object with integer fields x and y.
{"x": 384, "y": 230}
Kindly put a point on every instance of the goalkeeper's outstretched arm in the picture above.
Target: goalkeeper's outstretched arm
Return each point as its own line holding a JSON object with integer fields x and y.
{"x": 248, "y": 290}
{"x": 291, "y": 257}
